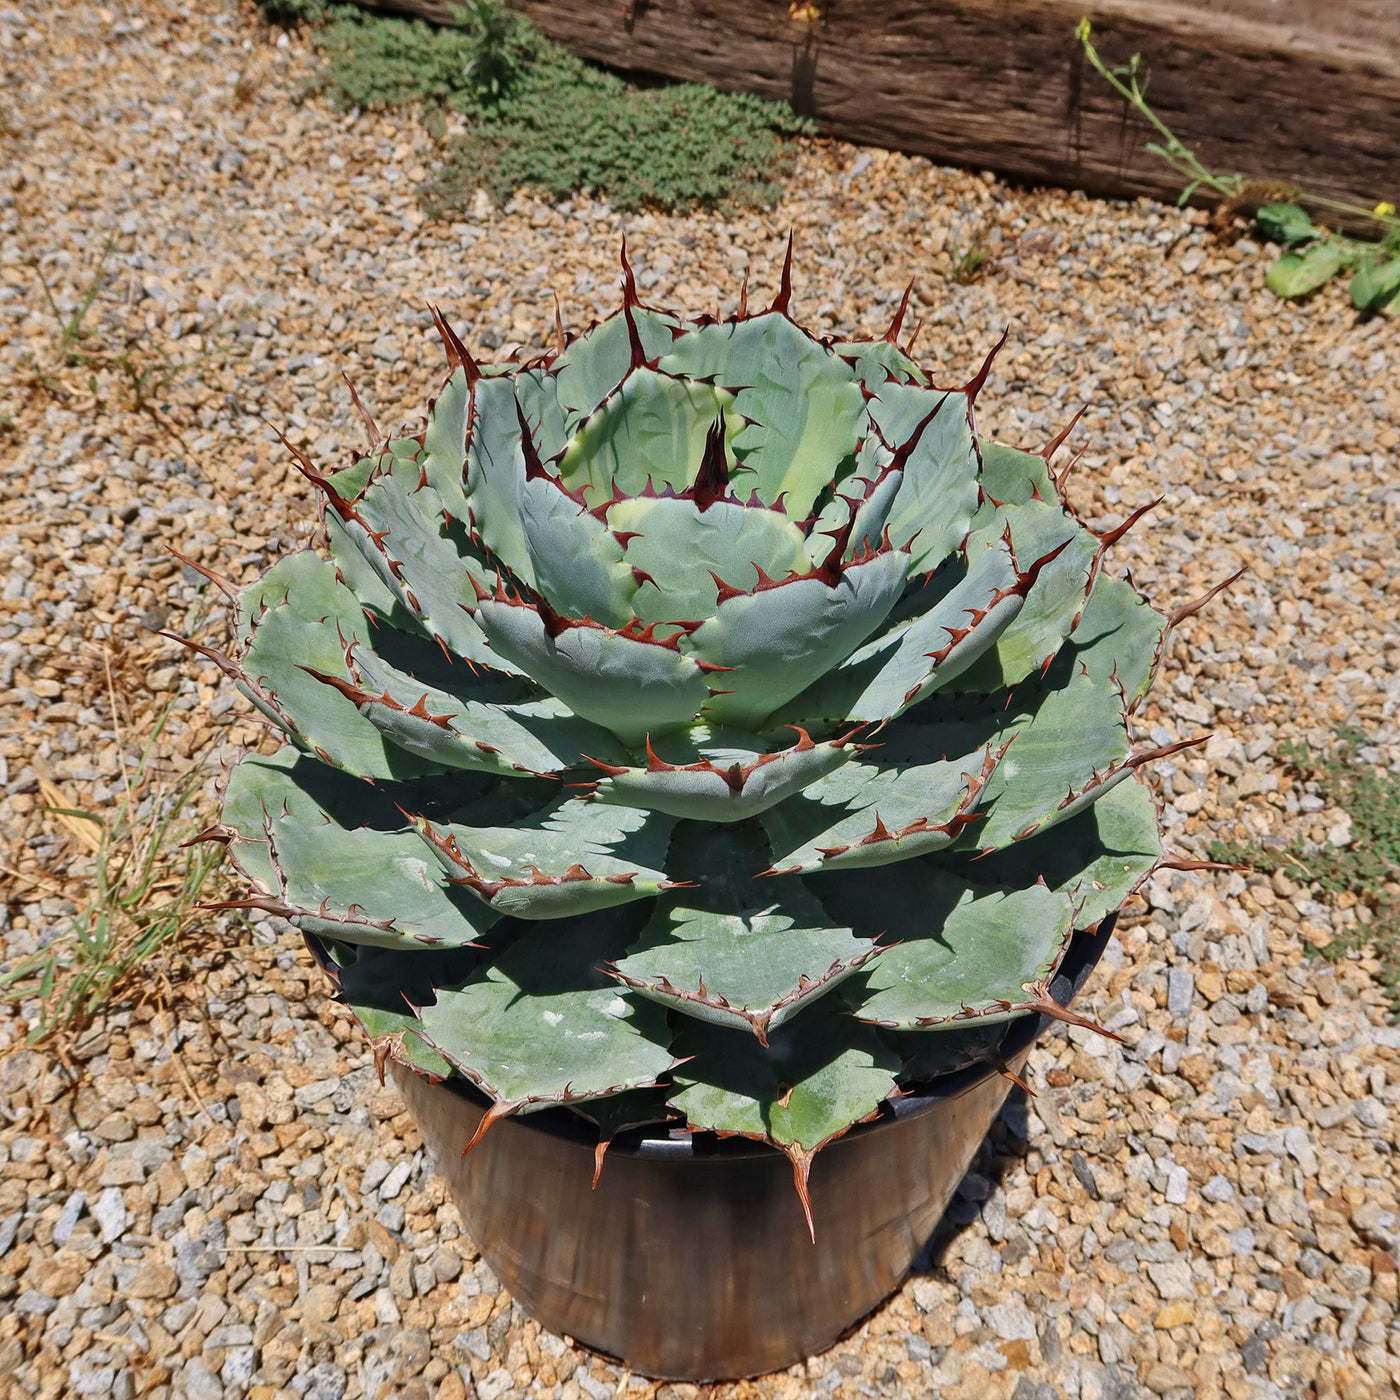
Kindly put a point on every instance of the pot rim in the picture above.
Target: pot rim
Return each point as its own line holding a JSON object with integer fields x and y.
{"x": 681, "y": 1145}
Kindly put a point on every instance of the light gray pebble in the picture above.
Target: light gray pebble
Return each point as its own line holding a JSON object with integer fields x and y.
{"x": 1178, "y": 1186}
{"x": 377, "y": 1170}
{"x": 109, "y": 1210}
{"x": 324, "y": 1381}
{"x": 1333, "y": 1115}
{"x": 233, "y": 1334}
{"x": 1011, "y": 1321}
{"x": 237, "y": 1370}
{"x": 9, "y": 1227}
{"x": 493, "y": 1386}
{"x": 198, "y": 1382}
{"x": 101, "y": 1382}
{"x": 68, "y": 1218}
{"x": 1295, "y": 1139}
{"x": 447, "y": 1264}
{"x": 994, "y": 1217}
{"x": 1181, "y": 988}
{"x": 195, "y": 1260}
{"x": 989, "y": 1356}
{"x": 396, "y": 1180}
{"x": 1243, "y": 1241}
{"x": 1218, "y": 1188}
{"x": 1121, "y": 1251}
{"x": 1172, "y": 1279}
{"x": 597, "y": 1389}
{"x": 309, "y": 1095}
{"x": 475, "y": 1342}
{"x": 1372, "y": 1114}
{"x": 174, "y": 1318}
{"x": 1259, "y": 1144}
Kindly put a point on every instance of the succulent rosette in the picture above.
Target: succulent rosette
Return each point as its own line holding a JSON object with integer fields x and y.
{"x": 699, "y": 722}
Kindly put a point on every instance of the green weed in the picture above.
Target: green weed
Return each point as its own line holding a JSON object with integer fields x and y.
{"x": 1314, "y": 253}
{"x": 70, "y": 326}
{"x": 140, "y": 365}
{"x": 144, "y": 897}
{"x": 966, "y": 262}
{"x": 1369, "y": 867}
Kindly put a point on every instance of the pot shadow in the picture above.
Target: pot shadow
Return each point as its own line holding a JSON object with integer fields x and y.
{"x": 1005, "y": 1147}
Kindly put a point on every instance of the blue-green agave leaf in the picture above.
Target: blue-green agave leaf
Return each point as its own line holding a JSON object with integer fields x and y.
{"x": 543, "y": 1024}
{"x": 296, "y": 833}
{"x": 779, "y": 640}
{"x": 719, "y": 782}
{"x": 652, "y": 431}
{"x": 1118, "y": 638}
{"x": 872, "y": 813}
{"x": 820, "y": 1073}
{"x": 681, "y": 549}
{"x": 296, "y": 621}
{"x": 633, "y": 681}
{"x": 1098, "y": 857}
{"x": 572, "y": 857}
{"x": 595, "y": 364}
{"x": 431, "y": 567}
{"x": 963, "y": 953}
{"x": 470, "y": 725}
{"x": 919, "y": 654}
{"x": 735, "y": 950}
{"x": 1038, "y": 531}
{"x": 934, "y": 447}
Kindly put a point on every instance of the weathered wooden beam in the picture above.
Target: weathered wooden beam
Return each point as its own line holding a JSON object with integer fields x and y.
{"x": 1002, "y": 84}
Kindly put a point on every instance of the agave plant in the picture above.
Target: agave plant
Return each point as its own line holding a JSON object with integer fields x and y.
{"x": 699, "y": 723}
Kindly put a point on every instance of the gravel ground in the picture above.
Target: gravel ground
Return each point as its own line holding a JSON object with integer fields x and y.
{"x": 219, "y": 1200}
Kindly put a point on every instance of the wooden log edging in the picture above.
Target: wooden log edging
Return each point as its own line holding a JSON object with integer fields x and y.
{"x": 1003, "y": 85}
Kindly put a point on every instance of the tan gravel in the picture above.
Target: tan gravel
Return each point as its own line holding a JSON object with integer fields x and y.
{"x": 221, "y": 1201}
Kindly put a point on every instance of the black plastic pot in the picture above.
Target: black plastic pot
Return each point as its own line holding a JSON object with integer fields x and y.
{"x": 691, "y": 1260}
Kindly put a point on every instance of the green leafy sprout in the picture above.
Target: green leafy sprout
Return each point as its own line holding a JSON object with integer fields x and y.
{"x": 1314, "y": 253}
{"x": 967, "y": 261}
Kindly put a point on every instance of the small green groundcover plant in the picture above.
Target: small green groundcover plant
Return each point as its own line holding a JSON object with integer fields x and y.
{"x": 537, "y": 117}
{"x": 700, "y": 722}
{"x": 1368, "y": 867}
{"x": 1314, "y": 253}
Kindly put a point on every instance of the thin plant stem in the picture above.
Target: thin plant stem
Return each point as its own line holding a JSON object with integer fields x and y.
{"x": 1128, "y": 83}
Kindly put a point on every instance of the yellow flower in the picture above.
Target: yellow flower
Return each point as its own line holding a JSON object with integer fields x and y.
{"x": 1384, "y": 209}
{"x": 1083, "y": 29}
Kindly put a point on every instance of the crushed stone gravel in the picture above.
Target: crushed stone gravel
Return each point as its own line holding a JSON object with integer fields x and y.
{"x": 216, "y": 1198}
